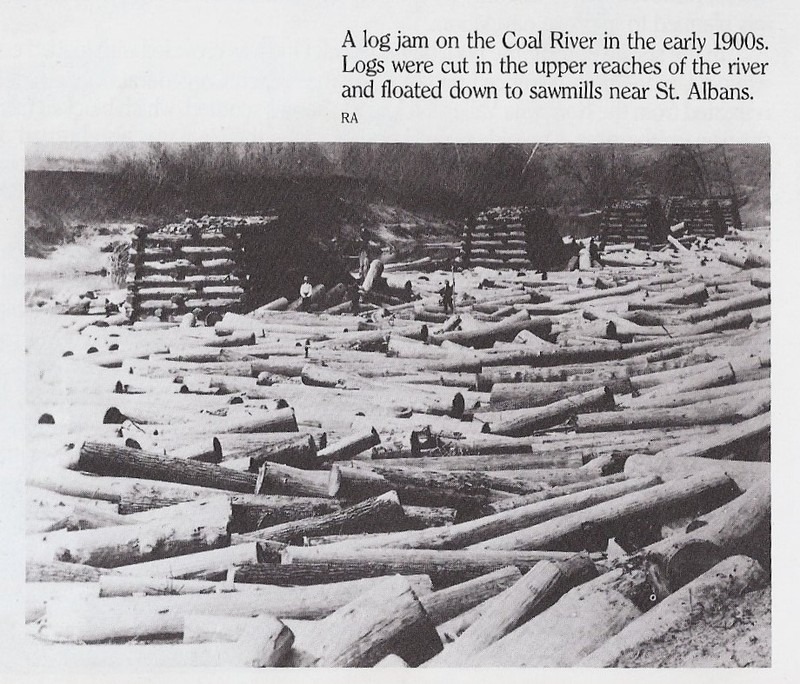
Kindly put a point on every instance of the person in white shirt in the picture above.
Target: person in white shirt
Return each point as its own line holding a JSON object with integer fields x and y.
{"x": 305, "y": 293}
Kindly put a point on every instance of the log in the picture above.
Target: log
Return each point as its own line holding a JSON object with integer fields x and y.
{"x": 299, "y": 452}
{"x": 200, "y": 565}
{"x": 589, "y": 527}
{"x": 350, "y": 446}
{"x": 274, "y": 478}
{"x": 747, "y": 301}
{"x": 744, "y": 474}
{"x": 445, "y": 568}
{"x": 392, "y": 660}
{"x": 196, "y": 527}
{"x": 486, "y": 528}
{"x": 552, "y": 493}
{"x": 389, "y": 619}
{"x": 717, "y": 374}
{"x": 725, "y": 581}
{"x": 253, "y": 511}
{"x": 516, "y": 395}
{"x": 374, "y": 514}
{"x": 58, "y": 571}
{"x": 446, "y": 603}
{"x": 158, "y": 616}
{"x": 122, "y": 585}
{"x": 108, "y": 459}
{"x": 536, "y": 591}
{"x": 506, "y": 330}
{"x": 373, "y": 275}
{"x": 741, "y": 389}
{"x": 423, "y": 517}
{"x": 730, "y": 440}
{"x": 701, "y": 413}
{"x": 579, "y": 622}
{"x": 740, "y": 526}
{"x": 527, "y": 421}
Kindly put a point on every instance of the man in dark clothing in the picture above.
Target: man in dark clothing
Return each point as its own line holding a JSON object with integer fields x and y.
{"x": 447, "y": 296}
{"x": 574, "y": 252}
{"x": 594, "y": 253}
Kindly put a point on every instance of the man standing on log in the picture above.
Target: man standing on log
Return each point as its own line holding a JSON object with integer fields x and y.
{"x": 447, "y": 296}
{"x": 305, "y": 293}
{"x": 363, "y": 257}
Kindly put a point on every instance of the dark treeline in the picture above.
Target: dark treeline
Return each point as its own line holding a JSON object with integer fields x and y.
{"x": 450, "y": 179}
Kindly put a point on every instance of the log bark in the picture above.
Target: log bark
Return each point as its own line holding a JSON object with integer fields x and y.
{"x": 108, "y": 459}
{"x": 158, "y": 616}
{"x": 672, "y": 467}
{"x": 125, "y": 585}
{"x": 350, "y": 447}
{"x": 527, "y": 421}
{"x": 299, "y": 452}
{"x": 701, "y": 413}
{"x": 58, "y": 571}
{"x": 202, "y": 565}
{"x": 371, "y": 515}
{"x": 446, "y": 603}
{"x": 274, "y": 478}
{"x": 536, "y": 591}
{"x": 593, "y": 526}
{"x": 517, "y": 395}
{"x": 727, "y": 580}
{"x": 583, "y": 619}
{"x": 253, "y": 511}
{"x": 740, "y": 526}
{"x": 445, "y": 568}
{"x": 734, "y": 440}
{"x": 203, "y": 526}
{"x": 389, "y": 619}
{"x": 472, "y": 532}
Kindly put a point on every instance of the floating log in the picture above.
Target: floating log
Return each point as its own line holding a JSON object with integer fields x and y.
{"x": 582, "y": 620}
{"x": 158, "y": 616}
{"x": 253, "y": 511}
{"x": 446, "y": 603}
{"x": 59, "y": 571}
{"x": 744, "y": 474}
{"x": 299, "y": 452}
{"x": 527, "y": 421}
{"x": 108, "y": 459}
{"x": 445, "y": 568}
{"x": 388, "y": 619}
{"x": 536, "y": 591}
{"x": 195, "y": 527}
{"x": 592, "y": 526}
{"x": 730, "y": 440}
{"x": 506, "y": 330}
{"x": 201, "y": 565}
{"x": 349, "y": 447}
{"x": 274, "y": 478}
{"x": 374, "y": 514}
{"x": 731, "y": 578}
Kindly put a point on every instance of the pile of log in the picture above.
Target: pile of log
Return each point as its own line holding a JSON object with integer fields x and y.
{"x": 549, "y": 475}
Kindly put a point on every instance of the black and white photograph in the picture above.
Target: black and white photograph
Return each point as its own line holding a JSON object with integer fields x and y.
{"x": 372, "y": 404}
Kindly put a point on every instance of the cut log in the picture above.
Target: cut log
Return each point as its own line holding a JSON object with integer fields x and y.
{"x": 445, "y": 568}
{"x": 717, "y": 586}
{"x": 576, "y": 625}
{"x": 527, "y": 421}
{"x": 58, "y": 571}
{"x": 196, "y": 527}
{"x": 124, "y": 585}
{"x": 389, "y": 619}
{"x": 372, "y": 515}
{"x": 274, "y": 478}
{"x": 591, "y": 527}
{"x": 505, "y": 330}
{"x": 445, "y": 604}
{"x": 158, "y": 616}
{"x": 202, "y": 565}
{"x": 731, "y": 440}
{"x": 253, "y": 511}
{"x": 701, "y": 413}
{"x": 108, "y": 459}
{"x": 536, "y": 591}
{"x": 672, "y": 467}
{"x": 740, "y": 526}
{"x": 350, "y": 446}
{"x": 516, "y": 395}
{"x": 299, "y": 452}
